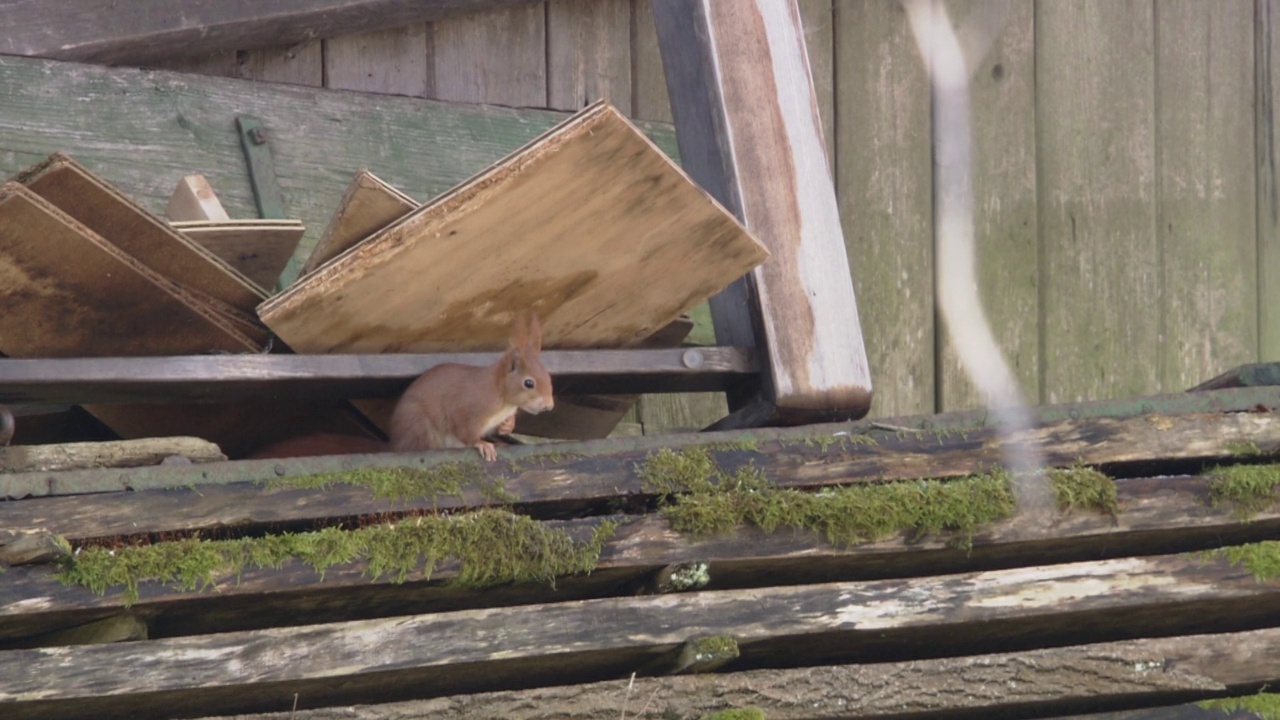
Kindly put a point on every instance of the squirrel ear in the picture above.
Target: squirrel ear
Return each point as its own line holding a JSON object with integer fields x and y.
{"x": 535, "y": 333}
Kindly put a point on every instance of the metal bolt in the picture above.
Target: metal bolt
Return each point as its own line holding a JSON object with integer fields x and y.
{"x": 280, "y": 471}
{"x": 257, "y": 136}
{"x": 692, "y": 358}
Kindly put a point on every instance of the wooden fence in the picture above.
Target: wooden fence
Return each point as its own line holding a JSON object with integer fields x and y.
{"x": 1125, "y": 172}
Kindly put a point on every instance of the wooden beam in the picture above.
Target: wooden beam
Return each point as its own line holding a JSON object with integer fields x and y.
{"x": 133, "y": 33}
{"x": 748, "y": 125}
{"x": 1042, "y": 683}
{"x": 223, "y": 378}
{"x": 1156, "y": 515}
{"x": 113, "y": 453}
{"x": 529, "y": 645}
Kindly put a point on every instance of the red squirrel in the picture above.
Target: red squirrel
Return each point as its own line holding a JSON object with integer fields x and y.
{"x": 451, "y": 405}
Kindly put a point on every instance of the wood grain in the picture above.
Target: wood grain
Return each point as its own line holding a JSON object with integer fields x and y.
{"x": 1206, "y": 205}
{"x": 1267, "y": 75}
{"x": 119, "y": 453}
{"x": 399, "y": 290}
{"x": 589, "y": 53}
{"x": 885, "y": 183}
{"x": 1149, "y": 673}
{"x": 391, "y": 61}
{"x": 497, "y": 57}
{"x": 367, "y": 206}
{"x": 748, "y": 123}
{"x": 649, "y": 99}
{"x": 1095, "y": 117}
{"x": 258, "y": 249}
{"x": 297, "y": 64}
{"x": 106, "y": 32}
{"x": 1005, "y": 215}
{"x": 194, "y": 199}
{"x": 828, "y": 623}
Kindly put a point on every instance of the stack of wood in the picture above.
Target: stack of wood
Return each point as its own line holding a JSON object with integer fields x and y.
{"x": 641, "y": 579}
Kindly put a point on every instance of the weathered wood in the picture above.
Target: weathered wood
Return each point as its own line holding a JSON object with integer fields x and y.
{"x": 589, "y": 53}
{"x": 188, "y": 125}
{"x": 101, "y": 31}
{"x": 602, "y": 214}
{"x": 497, "y": 57}
{"x": 1004, "y": 204}
{"x": 367, "y": 206}
{"x": 748, "y": 126}
{"x": 111, "y": 454}
{"x": 1106, "y": 676}
{"x": 194, "y": 199}
{"x": 1267, "y": 74}
{"x": 1253, "y": 375}
{"x": 649, "y": 99}
{"x": 1206, "y": 212}
{"x": 1095, "y": 125}
{"x": 598, "y": 473}
{"x": 117, "y": 628}
{"x": 883, "y": 173}
{"x": 1156, "y": 516}
{"x": 259, "y": 249}
{"x": 391, "y": 61}
{"x": 986, "y": 612}
{"x": 144, "y": 237}
{"x": 221, "y": 378}
{"x": 300, "y": 64}
{"x": 33, "y": 548}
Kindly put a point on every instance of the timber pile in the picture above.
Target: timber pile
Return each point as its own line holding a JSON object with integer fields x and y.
{"x": 807, "y": 572}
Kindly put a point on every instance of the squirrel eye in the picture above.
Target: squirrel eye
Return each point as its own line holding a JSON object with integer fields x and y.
{"x": 529, "y": 383}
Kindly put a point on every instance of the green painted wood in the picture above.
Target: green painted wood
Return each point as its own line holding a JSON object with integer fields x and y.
{"x": 884, "y": 185}
{"x": 1004, "y": 185}
{"x": 1267, "y": 148}
{"x": 1206, "y": 189}
{"x": 145, "y": 130}
{"x": 1100, "y": 272}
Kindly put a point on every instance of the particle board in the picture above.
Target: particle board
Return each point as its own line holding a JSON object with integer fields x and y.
{"x": 258, "y": 249}
{"x": 368, "y": 205}
{"x": 145, "y": 237}
{"x": 590, "y": 226}
{"x": 194, "y": 199}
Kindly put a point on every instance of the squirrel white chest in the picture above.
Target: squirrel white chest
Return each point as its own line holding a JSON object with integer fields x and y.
{"x": 497, "y": 418}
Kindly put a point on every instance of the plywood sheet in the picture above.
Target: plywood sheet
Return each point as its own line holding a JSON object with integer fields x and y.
{"x": 590, "y": 226}
{"x": 194, "y": 199}
{"x": 68, "y": 292}
{"x": 143, "y": 236}
{"x": 368, "y": 205}
{"x": 258, "y": 249}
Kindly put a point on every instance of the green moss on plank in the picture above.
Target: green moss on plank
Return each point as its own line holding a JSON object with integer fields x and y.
{"x": 409, "y": 483}
{"x": 700, "y": 498}
{"x": 746, "y": 713}
{"x": 1264, "y": 705}
{"x": 1262, "y": 559}
{"x": 493, "y": 547}
{"x": 1250, "y": 489}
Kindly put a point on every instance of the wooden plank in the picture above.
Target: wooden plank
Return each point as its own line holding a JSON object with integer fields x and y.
{"x": 210, "y": 378}
{"x": 1252, "y": 375}
{"x": 120, "y": 453}
{"x": 497, "y": 57}
{"x": 1206, "y": 213}
{"x": 188, "y": 125}
{"x": 58, "y": 301}
{"x": 1155, "y": 516}
{"x": 1266, "y": 57}
{"x": 747, "y": 121}
{"x": 258, "y": 249}
{"x": 1008, "y": 610}
{"x": 589, "y": 53}
{"x": 392, "y": 61}
{"x": 399, "y": 289}
{"x": 102, "y": 31}
{"x": 367, "y": 206}
{"x": 649, "y": 100}
{"x": 885, "y": 182}
{"x": 818, "y": 17}
{"x": 601, "y": 472}
{"x": 146, "y": 238}
{"x": 1133, "y": 673}
{"x": 298, "y": 64}
{"x": 1004, "y": 186}
{"x": 194, "y": 199}
{"x": 1095, "y": 117}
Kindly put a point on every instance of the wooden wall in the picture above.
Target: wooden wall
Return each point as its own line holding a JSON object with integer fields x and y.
{"x": 1125, "y": 189}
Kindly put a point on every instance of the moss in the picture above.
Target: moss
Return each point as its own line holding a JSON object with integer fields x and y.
{"x": 844, "y": 440}
{"x": 493, "y": 547}
{"x": 1249, "y": 489}
{"x": 1264, "y": 705}
{"x": 714, "y": 648}
{"x": 1262, "y": 559}
{"x": 746, "y": 713}
{"x": 1084, "y": 487}
{"x": 701, "y": 499}
{"x": 408, "y": 483}
{"x": 1245, "y": 449}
